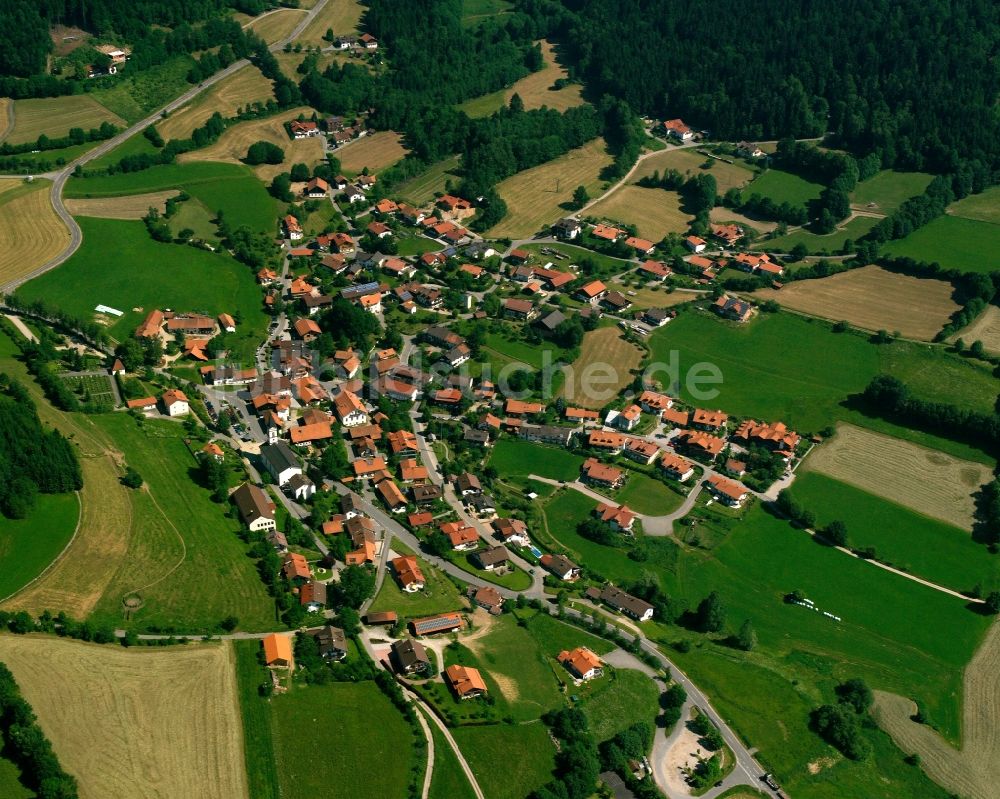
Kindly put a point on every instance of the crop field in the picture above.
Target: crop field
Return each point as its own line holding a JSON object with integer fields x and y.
{"x": 890, "y": 628}
{"x": 422, "y": 189}
{"x": 54, "y": 116}
{"x": 134, "y": 206}
{"x": 535, "y": 90}
{"x": 908, "y": 540}
{"x": 30, "y": 231}
{"x": 342, "y": 16}
{"x": 852, "y": 230}
{"x": 654, "y": 212}
{"x": 227, "y": 97}
{"x": 527, "y": 745}
{"x": 689, "y": 163}
{"x": 603, "y": 352}
{"x": 888, "y": 190}
{"x": 629, "y": 697}
{"x": 516, "y": 457}
{"x": 163, "y": 719}
{"x": 335, "y": 719}
{"x": 985, "y": 328}
{"x": 973, "y": 770}
{"x": 924, "y": 480}
{"x": 181, "y": 541}
{"x": 439, "y": 595}
{"x": 872, "y": 298}
{"x": 953, "y": 242}
{"x": 276, "y": 25}
{"x": 28, "y": 546}
{"x": 231, "y": 188}
{"x": 535, "y": 197}
{"x": 158, "y": 276}
{"x": 375, "y": 151}
{"x": 783, "y": 187}
{"x": 232, "y": 145}
{"x": 984, "y": 206}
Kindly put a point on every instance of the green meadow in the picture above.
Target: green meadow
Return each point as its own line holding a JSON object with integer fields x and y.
{"x": 783, "y": 187}
{"x": 516, "y": 457}
{"x": 28, "y": 546}
{"x": 814, "y": 242}
{"x": 968, "y": 245}
{"x": 888, "y": 190}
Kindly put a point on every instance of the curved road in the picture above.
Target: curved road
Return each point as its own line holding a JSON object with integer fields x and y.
{"x": 59, "y": 178}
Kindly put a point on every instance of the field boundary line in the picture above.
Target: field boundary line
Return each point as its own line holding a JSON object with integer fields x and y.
{"x": 177, "y": 565}
{"x": 57, "y": 558}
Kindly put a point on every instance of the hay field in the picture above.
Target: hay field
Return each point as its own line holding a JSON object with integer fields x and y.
{"x": 54, "y": 116}
{"x": 534, "y": 197}
{"x": 982, "y": 207}
{"x": 723, "y": 216}
{"x": 342, "y": 16}
{"x": 132, "y": 206}
{"x": 602, "y": 346}
{"x": 654, "y": 212}
{"x": 985, "y": 328}
{"x": 232, "y": 145}
{"x": 30, "y": 231}
{"x": 535, "y": 90}
{"x": 375, "y": 151}
{"x": 925, "y": 480}
{"x": 276, "y": 25}
{"x": 136, "y": 722}
{"x": 648, "y": 297}
{"x": 227, "y": 96}
{"x": 974, "y": 770}
{"x": 872, "y": 298}
{"x": 688, "y": 162}
{"x": 5, "y": 117}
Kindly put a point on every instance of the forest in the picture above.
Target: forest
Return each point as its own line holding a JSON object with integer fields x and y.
{"x": 915, "y": 81}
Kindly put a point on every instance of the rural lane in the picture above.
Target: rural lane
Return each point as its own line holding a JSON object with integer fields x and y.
{"x": 59, "y": 178}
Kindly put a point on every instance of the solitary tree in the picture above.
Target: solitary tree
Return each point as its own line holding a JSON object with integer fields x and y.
{"x": 711, "y": 614}
{"x": 747, "y": 637}
{"x": 580, "y": 196}
{"x": 836, "y": 533}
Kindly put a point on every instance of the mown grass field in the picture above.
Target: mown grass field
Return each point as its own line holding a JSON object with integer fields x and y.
{"x": 272, "y": 27}
{"x": 872, "y": 298}
{"x": 985, "y": 328}
{"x": 227, "y": 97}
{"x": 164, "y": 719}
{"x": 648, "y": 496}
{"x": 927, "y": 481}
{"x": 603, "y": 353}
{"x": 30, "y": 231}
{"x": 535, "y": 196}
{"x": 984, "y": 207}
{"x": 783, "y": 187}
{"x": 422, "y": 189}
{"x": 158, "y": 276}
{"x": 258, "y": 742}
{"x": 365, "y": 743}
{"x": 517, "y": 457}
{"x": 909, "y": 540}
{"x": 54, "y": 116}
{"x": 439, "y": 594}
{"x": 527, "y": 745}
{"x": 888, "y": 190}
{"x": 834, "y": 242}
{"x": 375, "y": 151}
{"x": 690, "y": 163}
{"x": 231, "y": 188}
{"x": 953, "y": 242}
{"x": 654, "y": 212}
{"x": 28, "y": 546}
{"x": 448, "y": 780}
{"x": 629, "y": 696}
{"x": 182, "y": 542}
{"x": 132, "y": 206}
{"x": 342, "y": 16}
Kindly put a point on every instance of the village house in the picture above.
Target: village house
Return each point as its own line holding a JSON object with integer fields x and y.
{"x": 709, "y": 421}
{"x": 295, "y": 568}
{"x": 391, "y": 496}
{"x": 462, "y": 537}
{"x": 174, "y": 402}
{"x": 625, "y": 419}
{"x": 591, "y": 292}
{"x": 581, "y": 663}
{"x": 748, "y": 149}
{"x": 698, "y": 443}
{"x": 144, "y": 404}
{"x": 492, "y": 559}
{"x": 521, "y": 310}
{"x": 654, "y": 402}
{"x": 408, "y": 573}
{"x": 411, "y": 471}
{"x": 432, "y": 625}
{"x": 567, "y": 229}
{"x": 408, "y": 656}
{"x": 512, "y": 531}
{"x": 775, "y": 437}
{"x": 312, "y": 596}
{"x": 368, "y": 468}
{"x": 606, "y": 440}
{"x": 317, "y": 188}
{"x": 331, "y": 641}
{"x": 655, "y": 269}
{"x": 486, "y": 597}
{"x": 546, "y": 434}
{"x": 278, "y": 540}
{"x": 676, "y": 467}
{"x": 606, "y": 232}
{"x": 581, "y": 415}
{"x": 467, "y": 484}
{"x": 426, "y": 494}
{"x": 455, "y": 208}
{"x": 726, "y": 491}
{"x": 695, "y": 243}
{"x": 656, "y": 317}
{"x": 676, "y": 129}
{"x": 277, "y": 651}
{"x": 641, "y": 246}
{"x": 620, "y": 518}
{"x": 349, "y": 409}
{"x": 731, "y": 308}
{"x": 734, "y": 468}
{"x": 300, "y": 488}
{"x": 293, "y": 230}
{"x": 615, "y": 302}
{"x": 640, "y": 450}
{"x": 613, "y": 597}
{"x": 280, "y": 462}
{"x": 465, "y": 681}
{"x": 385, "y": 618}
{"x": 728, "y": 234}
{"x": 255, "y": 507}
{"x": 303, "y": 129}
{"x": 515, "y": 407}
{"x": 597, "y": 473}
{"x": 560, "y": 566}
{"x": 675, "y": 417}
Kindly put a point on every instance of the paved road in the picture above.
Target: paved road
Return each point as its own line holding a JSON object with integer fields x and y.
{"x": 59, "y": 178}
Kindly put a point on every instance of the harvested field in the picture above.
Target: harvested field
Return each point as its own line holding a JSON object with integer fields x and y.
{"x": 535, "y": 197}
{"x": 982, "y": 207}
{"x": 655, "y": 298}
{"x": 375, "y": 151}
{"x": 985, "y": 328}
{"x": 873, "y": 298}
{"x": 227, "y": 97}
{"x": 133, "y": 206}
{"x": 421, "y": 189}
{"x": 654, "y": 212}
{"x": 724, "y": 216}
{"x": 536, "y": 89}
{"x": 54, "y": 116}
{"x": 136, "y": 722}
{"x": 688, "y": 162}
{"x": 276, "y": 25}
{"x": 924, "y": 480}
{"x": 6, "y": 117}
{"x": 585, "y": 385}
{"x": 30, "y": 231}
{"x": 974, "y": 770}
{"x": 233, "y": 144}
{"x": 342, "y": 16}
